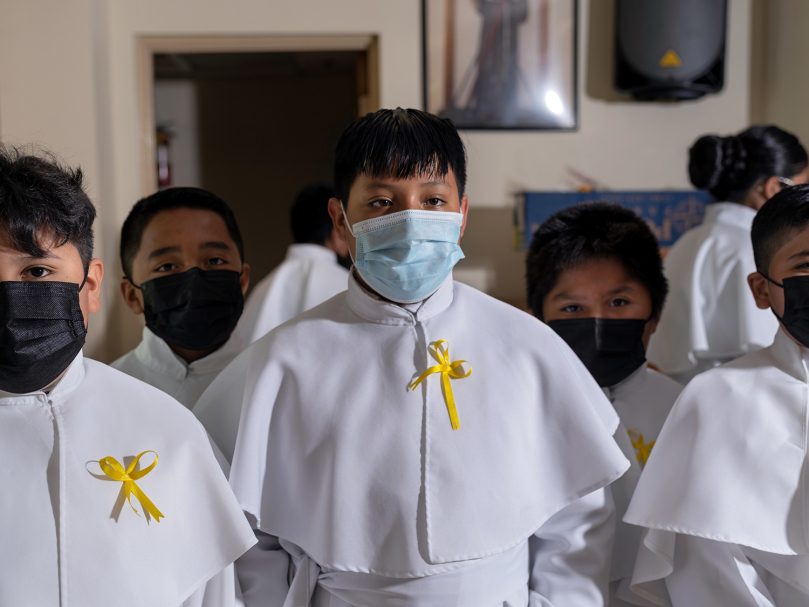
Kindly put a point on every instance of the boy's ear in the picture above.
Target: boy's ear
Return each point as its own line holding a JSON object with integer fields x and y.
{"x": 338, "y": 219}
{"x": 91, "y": 292}
{"x": 465, "y": 211}
{"x": 758, "y": 287}
{"x": 244, "y": 279}
{"x": 132, "y": 296}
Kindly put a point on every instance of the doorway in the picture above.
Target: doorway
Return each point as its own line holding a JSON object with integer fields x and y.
{"x": 253, "y": 122}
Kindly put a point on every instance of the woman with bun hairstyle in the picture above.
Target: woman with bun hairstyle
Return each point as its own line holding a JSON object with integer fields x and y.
{"x": 711, "y": 317}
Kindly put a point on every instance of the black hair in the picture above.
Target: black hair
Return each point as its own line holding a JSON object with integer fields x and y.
{"x": 777, "y": 221}
{"x": 398, "y": 143}
{"x": 585, "y": 232}
{"x": 172, "y": 198}
{"x": 40, "y": 198}
{"x": 309, "y": 214}
{"x": 729, "y": 167}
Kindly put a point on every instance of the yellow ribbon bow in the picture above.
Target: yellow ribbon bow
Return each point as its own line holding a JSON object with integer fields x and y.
{"x": 114, "y": 470}
{"x": 642, "y": 449}
{"x": 448, "y": 370}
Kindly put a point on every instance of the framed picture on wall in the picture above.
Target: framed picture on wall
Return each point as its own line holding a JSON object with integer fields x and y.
{"x": 501, "y": 64}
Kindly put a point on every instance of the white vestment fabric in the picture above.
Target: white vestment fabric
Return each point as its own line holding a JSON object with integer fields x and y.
{"x": 308, "y": 276}
{"x": 356, "y": 474}
{"x": 153, "y": 362}
{"x": 68, "y": 536}
{"x": 710, "y": 316}
{"x": 643, "y": 401}
{"x": 724, "y": 494}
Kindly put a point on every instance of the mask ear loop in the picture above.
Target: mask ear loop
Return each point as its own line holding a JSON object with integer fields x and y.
{"x": 132, "y": 282}
{"x": 350, "y": 230}
{"x": 777, "y": 284}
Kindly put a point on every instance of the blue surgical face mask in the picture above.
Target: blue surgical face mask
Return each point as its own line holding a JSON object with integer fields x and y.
{"x": 405, "y": 256}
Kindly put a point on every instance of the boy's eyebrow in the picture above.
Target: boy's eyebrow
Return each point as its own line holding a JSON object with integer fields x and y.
{"x": 621, "y": 289}
{"x": 219, "y": 245}
{"x": 804, "y": 253}
{"x": 163, "y": 251}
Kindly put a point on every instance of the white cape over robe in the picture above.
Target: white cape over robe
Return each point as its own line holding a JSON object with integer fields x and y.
{"x": 710, "y": 316}
{"x": 153, "y": 362}
{"x": 68, "y": 539}
{"x": 730, "y": 468}
{"x": 308, "y": 276}
{"x": 336, "y": 456}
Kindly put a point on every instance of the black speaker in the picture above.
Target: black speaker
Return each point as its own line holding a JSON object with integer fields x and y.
{"x": 670, "y": 49}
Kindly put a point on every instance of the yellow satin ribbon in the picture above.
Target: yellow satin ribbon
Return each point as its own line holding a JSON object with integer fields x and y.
{"x": 114, "y": 470}
{"x": 448, "y": 370}
{"x": 642, "y": 449}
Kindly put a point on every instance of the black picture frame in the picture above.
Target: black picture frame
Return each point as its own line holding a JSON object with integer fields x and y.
{"x": 501, "y": 64}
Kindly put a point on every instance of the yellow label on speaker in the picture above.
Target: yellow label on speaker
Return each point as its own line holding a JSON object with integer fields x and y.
{"x": 670, "y": 59}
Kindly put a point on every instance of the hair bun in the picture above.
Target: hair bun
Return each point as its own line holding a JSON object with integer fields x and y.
{"x": 716, "y": 163}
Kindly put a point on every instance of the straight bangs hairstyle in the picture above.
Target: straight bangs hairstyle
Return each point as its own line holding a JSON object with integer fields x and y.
{"x": 172, "y": 198}
{"x": 399, "y": 144}
{"x": 42, "y": 199}
{"x": 586, "y": 232}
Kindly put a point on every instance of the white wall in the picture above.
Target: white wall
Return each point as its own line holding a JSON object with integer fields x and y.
{"x": 68, "y": 79}
{"x": 783, "y": 91}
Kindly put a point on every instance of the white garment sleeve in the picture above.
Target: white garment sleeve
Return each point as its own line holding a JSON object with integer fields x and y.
{"x": 263, "y": 573}
{"x": 570, "y": 554}
{"x": 714, "y": 574}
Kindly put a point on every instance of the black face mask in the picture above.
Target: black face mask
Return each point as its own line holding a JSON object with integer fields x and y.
{"x": 41, "y": 332}
{"x": 196, "y": 309}
{"x": 611, "y": 348}
{"x": 796, "y": 306}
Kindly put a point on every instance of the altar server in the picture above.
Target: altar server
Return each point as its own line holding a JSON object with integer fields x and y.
{"x": 724, "y": 494}
{"x": 184, "y": 271}
{"x": 595, "y": 275}
{"x": 710, "y": 319}
{"x": 110, "y": 492}
{"x": 413, "y": 441}
{"x": 311, "y": 272}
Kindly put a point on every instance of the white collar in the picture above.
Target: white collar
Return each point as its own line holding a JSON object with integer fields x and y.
{"x": 372, "y": 308}
{"x": 730, "y": 213}
{"x": 153, "y": 352}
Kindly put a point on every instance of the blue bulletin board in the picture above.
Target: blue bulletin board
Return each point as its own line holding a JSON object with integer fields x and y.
{"x": 669, "y": 213}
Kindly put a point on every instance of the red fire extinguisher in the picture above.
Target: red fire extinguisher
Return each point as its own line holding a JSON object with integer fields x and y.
{"x": 163, "y": 139}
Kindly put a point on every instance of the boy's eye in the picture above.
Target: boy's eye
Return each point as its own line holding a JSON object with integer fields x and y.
{"x": 572, "y": 308}
{"x": 37, "y": 272}
{"x": 619, "y": 302}
{"x": 166, "y": 267}
{"x": 216, "y": 261}
{"x": 434, "y": 202}
{"x": 380, "y": 203}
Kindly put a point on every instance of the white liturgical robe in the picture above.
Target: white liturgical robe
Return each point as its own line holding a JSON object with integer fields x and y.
{"x": 69, "y": 536}
{"x": 153, "y": 362}
{"x": 724, "y": 493}
{"x": 710, "y": 316}
{"x": 643, "y": 401}
{"x": 377, "y": 500}
{"x": 308, "y": 276}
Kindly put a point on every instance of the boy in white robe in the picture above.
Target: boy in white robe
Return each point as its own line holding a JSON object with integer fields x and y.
{"x": 724, "y": 493}
{"x": 111, "y": 493}
{"x": 309, "y": 275}
{"x": 184, "y": 270}
{"x": 413, "y": 441}
{"x": 595, "y": 275}
{"x": 710, "y": 319}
